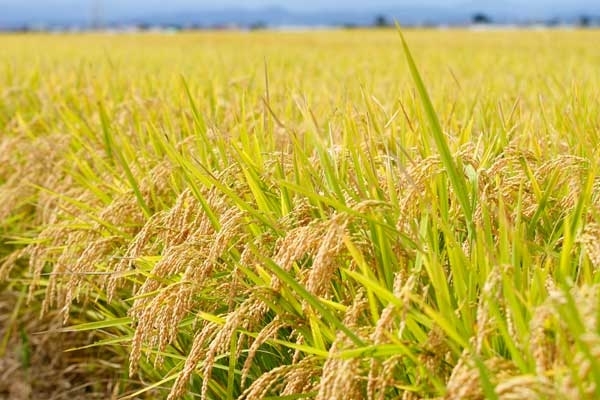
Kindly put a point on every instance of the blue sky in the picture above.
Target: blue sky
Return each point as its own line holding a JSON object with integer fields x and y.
{"x": 20, "y": 11}
{"x": 290, "y": 4}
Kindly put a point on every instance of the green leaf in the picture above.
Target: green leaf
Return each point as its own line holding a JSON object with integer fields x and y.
{"x": 457, "y": 178}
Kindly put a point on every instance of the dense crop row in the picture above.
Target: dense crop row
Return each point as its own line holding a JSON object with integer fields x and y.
{"x": 245, "y": 215}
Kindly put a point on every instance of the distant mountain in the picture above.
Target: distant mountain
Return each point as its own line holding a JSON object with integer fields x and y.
{"x": 13, "y": 15}
{"x": 79, "y": 13}
{"x": 275, "y": 16}
{"x": 519, "y": 11}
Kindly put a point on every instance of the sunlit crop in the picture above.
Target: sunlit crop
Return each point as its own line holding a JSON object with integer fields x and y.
{"x": 327, "y": 214}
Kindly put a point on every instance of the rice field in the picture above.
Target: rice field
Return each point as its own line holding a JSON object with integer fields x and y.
{"x": 300, "y": 215}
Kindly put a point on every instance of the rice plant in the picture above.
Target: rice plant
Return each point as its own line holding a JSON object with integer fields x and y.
{"x": 328, "y": 215}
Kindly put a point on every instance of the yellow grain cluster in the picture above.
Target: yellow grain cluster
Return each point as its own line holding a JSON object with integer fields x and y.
{"x": 245, "y": 215}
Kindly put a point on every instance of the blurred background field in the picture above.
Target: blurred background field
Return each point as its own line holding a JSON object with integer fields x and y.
{"x": 326, "y": 68}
